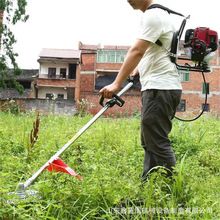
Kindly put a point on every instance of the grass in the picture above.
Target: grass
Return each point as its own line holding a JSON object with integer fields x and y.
{"x": 109, "y": 158}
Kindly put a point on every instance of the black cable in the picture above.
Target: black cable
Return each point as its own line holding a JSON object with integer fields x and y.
{"x": 206, "y": 95}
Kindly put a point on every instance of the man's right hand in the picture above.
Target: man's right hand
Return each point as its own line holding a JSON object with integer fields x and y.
{"x": 108, "y": 91}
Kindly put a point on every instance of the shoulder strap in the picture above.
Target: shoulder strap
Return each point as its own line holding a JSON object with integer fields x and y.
{"x": 158, "y": 42}
{"x": 165, "y": 9}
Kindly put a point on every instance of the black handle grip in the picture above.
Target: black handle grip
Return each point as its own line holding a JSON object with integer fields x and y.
{"x": 115, "y": 100}
{"x": 101, "y": 101}
{"x": 134, "y": 79}
{"x": 118, "y": 98}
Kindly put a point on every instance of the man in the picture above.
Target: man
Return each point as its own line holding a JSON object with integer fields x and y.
{"x": 160, "y": 84}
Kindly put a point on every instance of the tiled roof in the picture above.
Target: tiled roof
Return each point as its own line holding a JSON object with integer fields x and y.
{"x": 88, "y": 47}
{"x": 28, "y": 74}
{"x": 12, "y": 93}
{"x": 60, "y": 53}
{"x": 109, "y": 47}
{"x": 105, "y": 47}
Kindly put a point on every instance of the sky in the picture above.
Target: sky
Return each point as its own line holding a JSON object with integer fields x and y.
{"x": 61, "y": 24}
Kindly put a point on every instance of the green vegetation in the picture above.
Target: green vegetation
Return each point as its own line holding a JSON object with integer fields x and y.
{"x": 14, "y": 11}
{"x": 109, "y": 158}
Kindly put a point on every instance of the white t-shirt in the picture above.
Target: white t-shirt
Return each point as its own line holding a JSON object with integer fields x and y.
{"x": 155, "y": 68}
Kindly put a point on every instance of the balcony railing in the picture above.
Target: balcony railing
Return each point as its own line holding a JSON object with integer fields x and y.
{"x": 46, "y": 76}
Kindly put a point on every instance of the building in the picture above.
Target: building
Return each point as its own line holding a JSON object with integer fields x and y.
{"x": 52, "y": 88}
{"x": 100, "y": 65}
{"x": 27, "y": 80}
{"x": 59, "y": 74}
{"x": 67, "y": 76}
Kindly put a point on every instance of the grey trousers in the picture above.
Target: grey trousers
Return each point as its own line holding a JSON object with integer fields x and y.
{"x": 158, "y": 110}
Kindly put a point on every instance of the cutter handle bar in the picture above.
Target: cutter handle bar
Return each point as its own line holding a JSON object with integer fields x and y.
{"x": 115, "y": 100}
{"x": 24, "y": 186}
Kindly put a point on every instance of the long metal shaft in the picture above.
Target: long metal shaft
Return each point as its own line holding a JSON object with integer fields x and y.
{"x": 24, "y": 186}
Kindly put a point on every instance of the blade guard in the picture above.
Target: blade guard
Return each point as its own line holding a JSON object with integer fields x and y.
{"x": 59, "y": 166}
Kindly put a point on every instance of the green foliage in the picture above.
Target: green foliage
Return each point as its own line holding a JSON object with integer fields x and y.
{"x": 12, "y": 107}
{"x": 14, "y": 11}
{"x": 83, "y": 106}
{"x": 109, "y": 158}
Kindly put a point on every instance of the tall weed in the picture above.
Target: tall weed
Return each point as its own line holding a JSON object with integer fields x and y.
{"x": 109, "y": 158}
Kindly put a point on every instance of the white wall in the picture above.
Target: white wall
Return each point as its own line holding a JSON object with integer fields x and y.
{"x": 43, "y": 90}
{"x": 45, "y": 66}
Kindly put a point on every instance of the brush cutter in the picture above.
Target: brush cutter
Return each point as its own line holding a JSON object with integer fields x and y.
{"x": 55, "y": 163}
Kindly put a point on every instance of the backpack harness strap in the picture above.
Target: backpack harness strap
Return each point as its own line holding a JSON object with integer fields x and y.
{"x": 158, "y": 42}
{"x": 176, "y": 36}
{"x": 164, "y": 8}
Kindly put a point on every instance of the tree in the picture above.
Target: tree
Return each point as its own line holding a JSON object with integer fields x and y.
{"x": 14, "y": 11}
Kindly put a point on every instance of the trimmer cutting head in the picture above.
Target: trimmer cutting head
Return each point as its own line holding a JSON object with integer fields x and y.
{"x": 21, "y": 193}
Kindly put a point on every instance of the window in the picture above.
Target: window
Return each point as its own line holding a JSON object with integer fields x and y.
{"x": 205, "y": 88}
{"x": 72, "y": 71}
{"x": 182, "y": 106}
{"x": 184, "y": 75}
{"x": 49, "y": 96}
{"x": 60, "y": 96}
{"x": 111, "y": 56}
{"x": 207, "y": 107}
{"x": 52, "y": 73}
{"x": 63, "y": 73}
